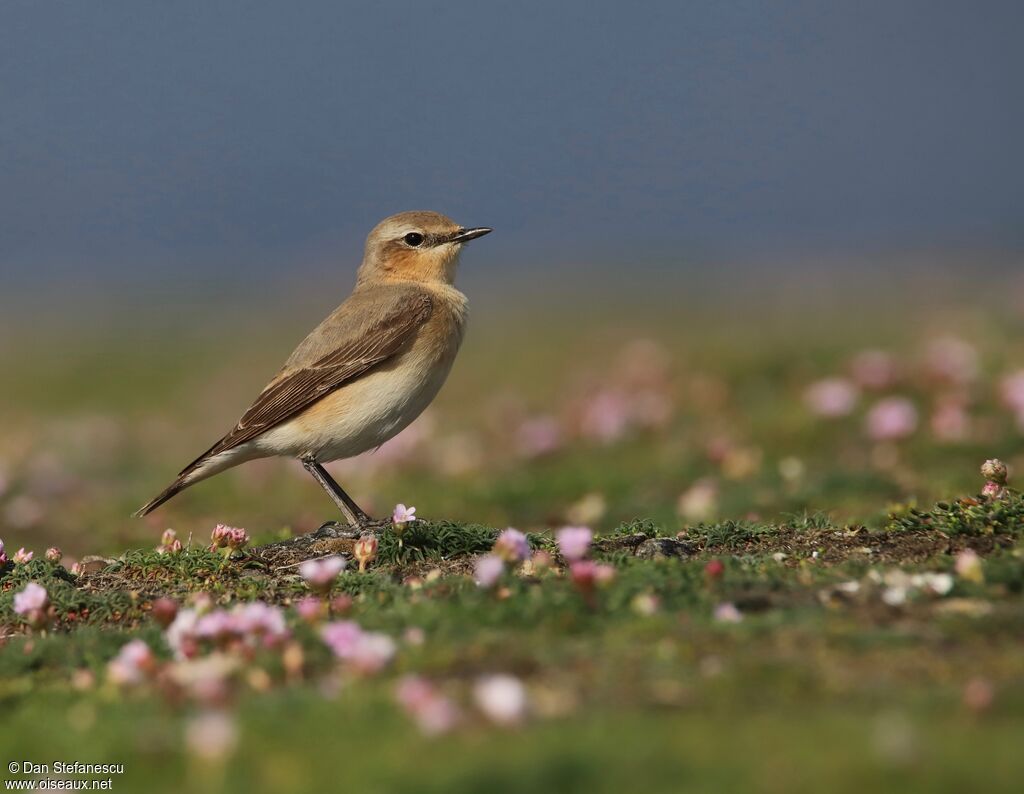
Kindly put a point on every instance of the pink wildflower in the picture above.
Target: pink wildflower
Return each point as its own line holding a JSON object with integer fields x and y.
{"x": 512, "y": 546}
{"x": 539, "y": 436}
{"x": 587, "y": 573}
{"x": 365, "y": 651}
{"x": 433, "y": 712}
{"x": 133, "y": 663}
{"x": 365, "y": 550}
{"x": 32, "y": 599}
{"x": 952, "y": 360}
{"x": 873, "y": 369}
{"x": 212, "y": 736}
{"x": 310, "y": 609}
{"x": 403, "y": 515}
{"x": 502, "y": 699}
{"x": 605, "y": 417}
{"x": 21, "y": 556}
{"x": 968, "y": 566}
{"x": 321, "y": 573}
{"x": 164, "y": 611}
{"x": 181, "y": 636}
{"x": 891, "y": 419}
{"x": 341, "y": 637}
{"x": 574, "y": 542}
{"x": 699, "y": 502}
{"x": 1011, "y": 390}
{"x": 830, "y": 398}
{"x": 54, "y": 555}
{"x": 3, "y": 555}
{"x": 950, "y": 422}
{"x": 979, "y": 694}
{"x": 169, "y": 543}
{"x": 228, "y": 538}
{"x": 727, "y": 613}
{"x": 488, "y": 570}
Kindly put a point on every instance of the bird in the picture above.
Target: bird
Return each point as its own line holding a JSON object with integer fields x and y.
{"x": 367, "y": 371}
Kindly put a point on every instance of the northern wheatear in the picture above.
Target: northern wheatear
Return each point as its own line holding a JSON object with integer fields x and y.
{"x": 366, "y": 371}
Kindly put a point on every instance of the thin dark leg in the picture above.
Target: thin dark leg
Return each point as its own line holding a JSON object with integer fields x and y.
{"x": 354, "y": 514}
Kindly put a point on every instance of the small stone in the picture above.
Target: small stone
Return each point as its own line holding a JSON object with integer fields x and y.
{"x": 94, "y": 563}
{"x": 661, "y": 548}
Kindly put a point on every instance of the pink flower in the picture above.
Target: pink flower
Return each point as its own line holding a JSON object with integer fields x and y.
{"x": 952, "y": 360}
{"x": 228, "y": 538}
{"x": 169, "y": 543}
{"x": 132, "y": 665}
{"x": 700, "y": 501}
{"x": 950, "y": 421}
{"x": 372, "y": 653}
{"x": 1011, "y": 390}
{"x": 33, "y": 598}
{"x": 433, "y": 712}
{"x": 54, "y": 555}
{"x": 714, "y": 569}
{"x": 21, "y": 556}
{"x": 3, "y": 556}
{"x": 341, "y": 637}
{"x": 831, "y": 397}
{"x": 968, "y": 566}
{"x": 310, "y": 609}
{"x": 574, "y": 542}
{"x": 979, "y": 694}
{"x": 181, "y": 637}
{"x": 164, "y": 611}
{"x": 605, "y": 417}
{"x": 488, "y": 570}
{"x": 365, "y": 550}
{"x": 403, "y": 515}
{"x": 873, "y": 369}
{"x": 891, "y": 419}
{"x": 512, "y": 546}
{"x": 993, "y": 490}
{"x": 502, "y": 699}
{"x": 727, "y": 613}
{"x": 585, "y": 574}
{"x": 414, "y": 635}
{"x": 539, "y": 436}
{"x": 321, "y": 573}
{"x": 365, "y": 651}
{"x": 212, "y": 736}
{"x": 261, "y": 620}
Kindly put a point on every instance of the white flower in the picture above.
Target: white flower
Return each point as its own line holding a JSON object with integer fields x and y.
{"x": 502, "y": 698}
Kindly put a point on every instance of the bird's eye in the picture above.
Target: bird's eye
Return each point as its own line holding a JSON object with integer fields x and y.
{"x": 413, "y": 239}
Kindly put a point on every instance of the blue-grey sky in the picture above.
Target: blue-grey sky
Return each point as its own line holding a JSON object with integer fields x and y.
{"x": 162, "y": 138}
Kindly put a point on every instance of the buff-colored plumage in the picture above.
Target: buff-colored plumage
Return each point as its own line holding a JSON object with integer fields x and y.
{"x": 367, "y": 370}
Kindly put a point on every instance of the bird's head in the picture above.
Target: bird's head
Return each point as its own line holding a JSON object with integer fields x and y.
{"x": 415, "y": 246}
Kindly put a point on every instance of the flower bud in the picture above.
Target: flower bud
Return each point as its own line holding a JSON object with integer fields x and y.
{"x": 365, "y": 550}
{"x": 994, "y": 470}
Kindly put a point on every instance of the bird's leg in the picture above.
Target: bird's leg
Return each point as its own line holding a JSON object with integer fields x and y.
{"x": 356, "y": 517}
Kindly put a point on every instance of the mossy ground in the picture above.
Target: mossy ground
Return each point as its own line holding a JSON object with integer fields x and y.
{"x": 815, "y": 684}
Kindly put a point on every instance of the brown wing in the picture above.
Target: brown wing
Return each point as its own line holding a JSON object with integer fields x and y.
{"x": 296, "y": 389}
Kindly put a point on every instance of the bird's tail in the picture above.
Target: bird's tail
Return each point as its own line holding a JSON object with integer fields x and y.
{"x": 181, "y": 483}
{"x": 211, "y": 462}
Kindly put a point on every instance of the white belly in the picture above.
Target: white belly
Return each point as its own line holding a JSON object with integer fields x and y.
{"x": 361, "y": 415}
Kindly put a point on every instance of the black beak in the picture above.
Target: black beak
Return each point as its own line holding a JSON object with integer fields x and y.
{"x": 465, "y": 235}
